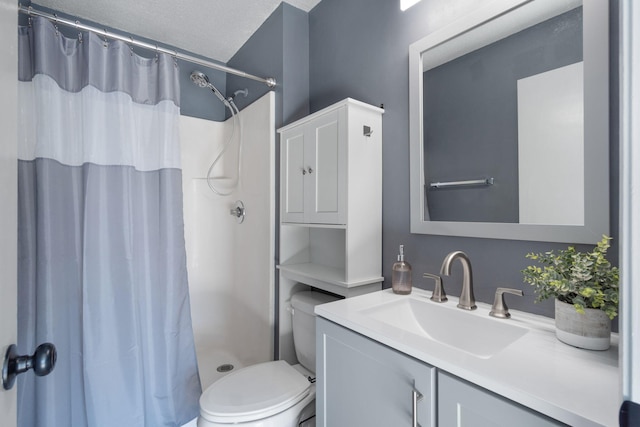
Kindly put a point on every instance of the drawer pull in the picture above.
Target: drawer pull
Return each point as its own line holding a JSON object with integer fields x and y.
{"x": 417, "y": 396}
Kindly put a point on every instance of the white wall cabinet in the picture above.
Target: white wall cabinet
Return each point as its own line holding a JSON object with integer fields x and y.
{"x": 330, "y": 206}
{"x": 331, "y": 165}
{"x": 361, "y": 382}
{"x": 331, "y": 197}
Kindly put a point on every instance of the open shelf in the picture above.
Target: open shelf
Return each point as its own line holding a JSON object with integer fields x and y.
{"x": 316, "y": 275}
{"x": 311, "y": 225}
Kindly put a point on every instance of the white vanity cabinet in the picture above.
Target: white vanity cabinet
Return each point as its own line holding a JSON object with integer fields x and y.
{"x": 363, "y": 383}
{"x": 501, "y": 373}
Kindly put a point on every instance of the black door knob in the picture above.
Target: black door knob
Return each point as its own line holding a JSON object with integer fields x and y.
{"x": 42, "y": 362}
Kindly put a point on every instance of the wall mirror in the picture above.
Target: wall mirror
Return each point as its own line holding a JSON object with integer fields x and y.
{"x": 509, "y": 123}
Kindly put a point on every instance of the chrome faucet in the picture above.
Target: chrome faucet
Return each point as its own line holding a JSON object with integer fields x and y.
{"x": 467, "y": 300}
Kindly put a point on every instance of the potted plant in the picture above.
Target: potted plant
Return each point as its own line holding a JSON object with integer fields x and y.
{"x": 585, "y": 287}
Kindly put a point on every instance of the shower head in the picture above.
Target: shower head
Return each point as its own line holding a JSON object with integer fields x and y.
{"x": 200, "y": 79}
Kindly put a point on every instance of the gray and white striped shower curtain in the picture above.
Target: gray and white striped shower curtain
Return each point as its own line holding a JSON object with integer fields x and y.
{"x": 102, "y": 263}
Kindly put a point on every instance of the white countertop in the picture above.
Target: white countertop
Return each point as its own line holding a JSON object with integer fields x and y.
{"x": 577, "y": 387}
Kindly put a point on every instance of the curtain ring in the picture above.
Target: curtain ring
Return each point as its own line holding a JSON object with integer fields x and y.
{"x": 29, "y": 9}
{"x": 55, "y": 23}
{"x": 79, "y": 32}
{"x": 157, "y": 56}
{"x": 131, "y": 46}
{"x": 175, "y": 57}
{"x": 106, "y": 43}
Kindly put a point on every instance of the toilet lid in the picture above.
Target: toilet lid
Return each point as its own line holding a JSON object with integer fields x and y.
{"x": 254, "y": 392}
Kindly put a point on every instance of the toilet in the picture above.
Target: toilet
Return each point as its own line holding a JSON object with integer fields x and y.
{"x": 271, "y": 394}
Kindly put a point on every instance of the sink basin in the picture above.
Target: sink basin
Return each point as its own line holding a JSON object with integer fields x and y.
{"x": 470, "y": 332}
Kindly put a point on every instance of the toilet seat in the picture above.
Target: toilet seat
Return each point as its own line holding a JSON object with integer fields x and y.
{"x": 254, "y": 392}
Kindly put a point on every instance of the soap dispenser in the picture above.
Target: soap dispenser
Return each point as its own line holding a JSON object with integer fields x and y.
{"x": 401, "y": 275}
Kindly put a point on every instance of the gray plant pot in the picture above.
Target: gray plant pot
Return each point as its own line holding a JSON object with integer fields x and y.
{"x": 591, "y": 330}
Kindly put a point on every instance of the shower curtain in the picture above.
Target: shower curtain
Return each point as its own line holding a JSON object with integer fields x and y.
{"x": 102, "y": 263}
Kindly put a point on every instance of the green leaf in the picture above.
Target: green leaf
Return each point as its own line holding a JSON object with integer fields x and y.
{"x": 582, "y": 279}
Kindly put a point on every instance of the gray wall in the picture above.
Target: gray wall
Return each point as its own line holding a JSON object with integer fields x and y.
{"x": 359, "y": 48}
{"x": 280, "y": 49}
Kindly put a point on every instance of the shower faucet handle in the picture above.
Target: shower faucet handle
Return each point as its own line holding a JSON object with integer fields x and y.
{"x": 238, "y": 211}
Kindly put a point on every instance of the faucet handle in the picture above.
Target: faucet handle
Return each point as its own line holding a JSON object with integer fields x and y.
{"x": 438, "y": 294}
{"x": 499, "y": 308}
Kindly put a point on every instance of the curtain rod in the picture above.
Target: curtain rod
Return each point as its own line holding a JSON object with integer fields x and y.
{"x": 269, "y": 81}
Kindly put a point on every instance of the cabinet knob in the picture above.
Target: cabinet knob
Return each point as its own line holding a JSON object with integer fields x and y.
{"x": 309, "y": 169}
{"x": 304, "y": 171}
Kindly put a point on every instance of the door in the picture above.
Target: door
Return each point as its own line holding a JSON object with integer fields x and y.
{"x": 363, "y": 383}
{"x": 292, "y": 175}
{"x": 630, "y": 212}
{"x": 325, "y": 154}
{"x": 464, "y": 404}
{"x": 8, "y": 195}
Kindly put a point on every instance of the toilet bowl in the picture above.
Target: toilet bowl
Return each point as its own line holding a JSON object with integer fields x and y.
{"x": 270, "y": 394}
{"x": 267, "y": 394}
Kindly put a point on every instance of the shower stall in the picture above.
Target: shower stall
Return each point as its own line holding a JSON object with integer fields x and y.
{"x": 230, "y": 263}
{"x": 102, "y": 270}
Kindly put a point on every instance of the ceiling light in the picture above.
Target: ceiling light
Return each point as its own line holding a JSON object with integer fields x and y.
{"x": 406, "y": 4}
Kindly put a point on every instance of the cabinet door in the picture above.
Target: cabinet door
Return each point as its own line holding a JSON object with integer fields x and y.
{"x": 325, "y": 163}
{"x": 363, "y": 383}
{"x": 292, "y": 175}
{"x": 463, "y": 404}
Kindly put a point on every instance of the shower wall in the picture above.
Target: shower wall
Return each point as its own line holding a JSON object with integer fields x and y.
{"x": 230, "y": 265}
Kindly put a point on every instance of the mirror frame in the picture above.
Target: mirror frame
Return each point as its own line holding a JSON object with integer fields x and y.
{"x": 596, "y": 128}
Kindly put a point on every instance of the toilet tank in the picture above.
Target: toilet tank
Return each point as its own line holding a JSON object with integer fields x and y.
{"x": 304, "y": 325}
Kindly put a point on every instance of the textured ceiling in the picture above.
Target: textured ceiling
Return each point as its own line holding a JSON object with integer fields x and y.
{"x": 215, "y": 29}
